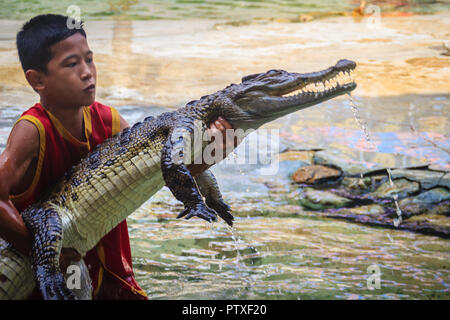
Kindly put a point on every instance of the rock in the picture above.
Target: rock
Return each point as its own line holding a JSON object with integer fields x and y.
{"x": 446, "y": 178}
{"x": 434, "y": 219}
{"x": 316, "y": 174}
{"x": 442, "y": 208}
{"x": 360, "y": 186}
{"x": 426, "y": 202}
{"x": 257, "y": 209}
{"x": 432, "y": 196}
{"x": 349, "y": 166}
{"x": 355, "y": 162}
{"x": 437, "y": 167}
{"x": 317, "y": 199}
{"x": 402, "y": 188}
{"x": 372, "y": 209}
{"x": 427, "y": 179}
{"x": 436, "y": 228}
{"x": 287, "y": 168}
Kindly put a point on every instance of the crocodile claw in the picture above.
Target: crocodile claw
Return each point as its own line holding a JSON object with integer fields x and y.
{"x": 201, "y": 211}
{"x": 53, "y": 285}
{"x": 223, "y": 210}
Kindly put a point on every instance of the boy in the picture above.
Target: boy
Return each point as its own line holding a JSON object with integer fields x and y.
{"x": 55, "y": 134}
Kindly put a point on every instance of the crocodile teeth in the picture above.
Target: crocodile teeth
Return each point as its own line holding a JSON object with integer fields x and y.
{"x": 329, "y": 84}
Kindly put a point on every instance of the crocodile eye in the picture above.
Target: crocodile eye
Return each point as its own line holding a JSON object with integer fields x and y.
{"x": 251, "y": 76}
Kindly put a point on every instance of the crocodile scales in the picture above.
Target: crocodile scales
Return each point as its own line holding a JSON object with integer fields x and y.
{"x": 127, "y": 169}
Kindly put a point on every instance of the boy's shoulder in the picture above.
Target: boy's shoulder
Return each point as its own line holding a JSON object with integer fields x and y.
{"x": 98, "y": 104}
{"x": 38, "y": 114}
{"x": 101, "y": 107}
{"x": 95, "y": 114}
{"x": 38, "y": 110}
{"x": 109, "y": 115}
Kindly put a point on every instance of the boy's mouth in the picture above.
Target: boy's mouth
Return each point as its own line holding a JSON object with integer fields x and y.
{"x": 90, "y": 88}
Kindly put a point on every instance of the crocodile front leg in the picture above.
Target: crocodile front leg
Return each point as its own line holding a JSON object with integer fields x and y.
{"x": 210, "y": 190}
{"x": 45, "y": 227}
{"x": 180, "y": 181}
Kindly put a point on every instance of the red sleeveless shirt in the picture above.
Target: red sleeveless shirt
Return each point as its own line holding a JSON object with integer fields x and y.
{"x": 58, "y": 152}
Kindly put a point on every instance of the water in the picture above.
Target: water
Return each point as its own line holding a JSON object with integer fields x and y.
{"x": 302, "y": 257}
{"x": 234, "y": 11}
{"x": 372, "y": 147}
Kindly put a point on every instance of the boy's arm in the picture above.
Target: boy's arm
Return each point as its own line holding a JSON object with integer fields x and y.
{"x": 22, "y": 147}
{"x": 123, "y": 123}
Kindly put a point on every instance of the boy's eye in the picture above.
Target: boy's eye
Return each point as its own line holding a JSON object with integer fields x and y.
{"x": 89, "y": 60}
{"x": 72, "y": 64}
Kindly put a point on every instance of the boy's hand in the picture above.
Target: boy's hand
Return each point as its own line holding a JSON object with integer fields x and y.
{"x": 217, "y": 128}
{"x": 67, "y": 256}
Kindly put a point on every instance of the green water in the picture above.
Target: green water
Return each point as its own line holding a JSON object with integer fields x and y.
{"x": 283, "y": 254}
{"x": 211, "y": 9}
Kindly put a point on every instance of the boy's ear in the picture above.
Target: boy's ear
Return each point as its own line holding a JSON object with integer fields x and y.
{"x": 35, "y": 79}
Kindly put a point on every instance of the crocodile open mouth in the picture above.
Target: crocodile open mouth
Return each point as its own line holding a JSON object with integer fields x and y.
{"x": 275, "y": 93}
{"x": 333, "y": 81}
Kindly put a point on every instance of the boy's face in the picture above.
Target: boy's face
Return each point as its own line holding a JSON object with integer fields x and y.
{"x": 71, "y": 74}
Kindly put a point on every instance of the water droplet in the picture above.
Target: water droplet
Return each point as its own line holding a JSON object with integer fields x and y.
{"x": 397, "y": 222}
{"x": 360, "y": 123}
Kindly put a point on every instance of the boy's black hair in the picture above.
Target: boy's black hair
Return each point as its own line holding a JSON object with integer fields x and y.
{"x": 38, "y": 35}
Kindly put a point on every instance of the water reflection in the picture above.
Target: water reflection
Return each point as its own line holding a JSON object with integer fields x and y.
{"x": 402, "y": 125}
{"x": 280, "y": 258}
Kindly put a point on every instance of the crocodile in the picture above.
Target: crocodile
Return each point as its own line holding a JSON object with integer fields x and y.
{"x": 119, "y": 175}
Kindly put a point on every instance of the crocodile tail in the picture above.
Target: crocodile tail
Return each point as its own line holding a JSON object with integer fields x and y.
{"x": 45, "y": 226}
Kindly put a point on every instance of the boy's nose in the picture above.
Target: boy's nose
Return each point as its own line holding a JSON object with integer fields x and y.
{"x": 87, "y": 72}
